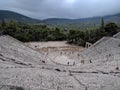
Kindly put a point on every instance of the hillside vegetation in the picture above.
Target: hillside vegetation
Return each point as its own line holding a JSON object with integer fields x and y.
{"x": 84, "y": 23}
{"x": 9, "y": 15}
{"x": 27, "y": 32}
{"x": 62, "y": 23}
{"x": 75, "y": 31}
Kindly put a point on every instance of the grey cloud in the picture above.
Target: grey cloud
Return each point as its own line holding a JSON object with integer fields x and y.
{"x": 42, "y": 9}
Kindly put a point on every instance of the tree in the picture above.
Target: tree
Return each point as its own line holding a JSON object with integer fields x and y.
{"x": 11, "y": 28}
{"x": 102, "y": 23}
{"x": 72, "y": 36}
{"x": 3, "y": 24}
{"x": 111, "y": 29}
{"x": 102, "y": 28}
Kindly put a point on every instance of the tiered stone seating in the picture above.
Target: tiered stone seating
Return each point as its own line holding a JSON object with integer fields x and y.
{"x": 18, "y": 52}
{"x": 102, "y": 48}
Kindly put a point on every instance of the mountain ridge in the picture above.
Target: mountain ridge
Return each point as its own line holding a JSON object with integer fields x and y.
{"x": 11, "y": 15}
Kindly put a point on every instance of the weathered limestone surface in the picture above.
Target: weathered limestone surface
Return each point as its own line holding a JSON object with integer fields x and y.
{"x": 117, "y": 35}
{"x": 16, "y": 52}
{"x": 105, "y": 49}
{"x": 22, "y": 68}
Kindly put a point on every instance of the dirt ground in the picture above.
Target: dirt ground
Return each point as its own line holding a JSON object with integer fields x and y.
{"x": 58, "y": 51}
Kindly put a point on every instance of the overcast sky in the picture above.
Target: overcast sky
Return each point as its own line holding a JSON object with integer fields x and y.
{"x": 42, "y": 9}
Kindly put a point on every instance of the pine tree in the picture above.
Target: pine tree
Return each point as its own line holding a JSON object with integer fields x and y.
{"x": 102, "y": 28}
{"x": 3, "y": 24}
{"x": 102, "y": 23}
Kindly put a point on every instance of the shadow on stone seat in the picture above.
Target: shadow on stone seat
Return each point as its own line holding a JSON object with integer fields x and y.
{"x": 9, "y": 87}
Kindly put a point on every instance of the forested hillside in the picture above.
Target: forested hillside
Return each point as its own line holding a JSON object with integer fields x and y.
{"x": 28, "y": 32}
{"x": 63, "y": 23}
{"x": 10, "y": 15}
